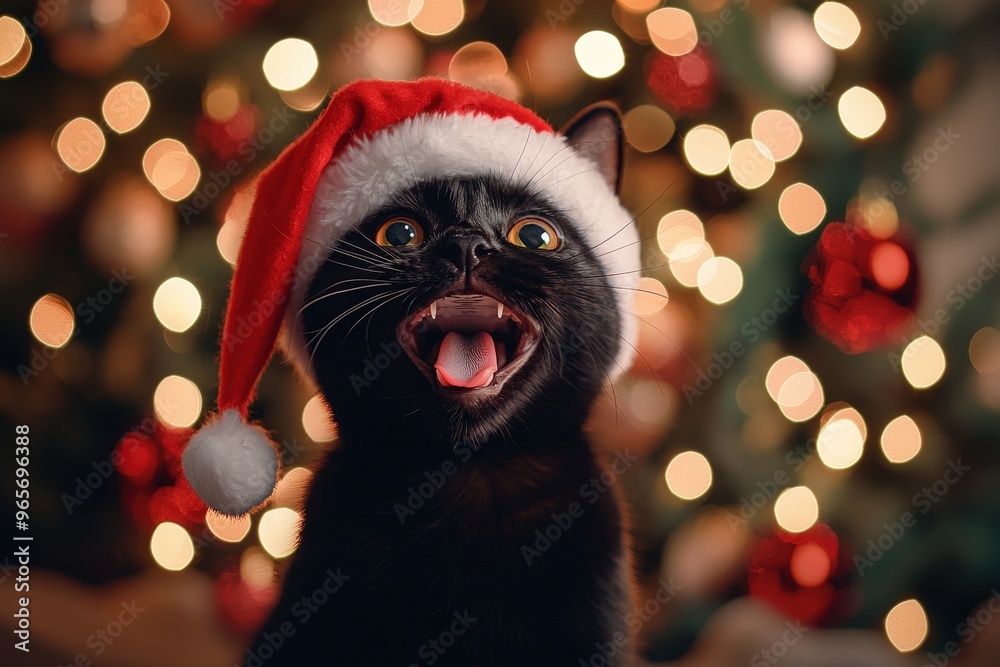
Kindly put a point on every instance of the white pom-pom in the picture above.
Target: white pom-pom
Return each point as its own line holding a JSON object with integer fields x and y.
{"x": 231, "y": 465}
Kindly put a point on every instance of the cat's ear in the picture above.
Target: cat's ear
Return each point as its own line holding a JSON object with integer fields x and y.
{"x": 596, "y": 134}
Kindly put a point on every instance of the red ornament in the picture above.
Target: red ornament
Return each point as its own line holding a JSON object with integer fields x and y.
{"x": 685, "y": 83}
{"x": 863, "y": 288}
{"x": 138, "y": 458}
{"x": 798, "y": 573}
{"x": 154, "y": 488}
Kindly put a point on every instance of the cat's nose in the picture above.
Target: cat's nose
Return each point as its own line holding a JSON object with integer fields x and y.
{"x": 465, "y": 249}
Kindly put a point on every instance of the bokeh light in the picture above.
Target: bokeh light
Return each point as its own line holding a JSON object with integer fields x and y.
{"x": 779, "y": 132}
{"x": 235, "y": 220}
{"x": 686, "y": 259}
{"x": 290, "y": 64}
{"x": 438, "y": 17}
{"x": 707, "y": 150}
{"x": 861, "y": 112}
{"x": 801, "y": 397}
{"x": 875, "y": 212}
{"x": 177, "y": 304}
{"x": 129, "y": 224}
{"x": 841, "y": 410}
{"x": 796, "y": 510}
{"x": 795, "y": 388}
{"x": 639, "y": 6}
{"x": 52, "y": 321}
{"x": 837, "y": 25}
{"x": 648, "y": 128}
{"x": 720, "y": 280}
{"x": 650, "y": 297}
{"x": 171, "y": 169}
{"x": 810, "y": 564}
{"x": 841, "y": 441}
{"x": 890, "y": 265}
{"x": 80, "y": 144}
{"x": 906, "y": 626}
{"x": 125, "y": 106}
{"x": 689, "y": 475}
{"x": 221, "y": 99}
{"x": 394, "y": 12}
{"x": 15, "y": 47}
{"x": 278, "y": 531}
{"x": 678, "y": 226}
{"x": 228, "y": 240}
{"x": 257, "y": 568}
{"x": 901, "y": 439}
{"x": 984, "y": 350}
{"x": 227, "y": 528}
{"x": 751, "y": 164}
{"x": 780, "y": 371}
{"x": 12, "y": 36}
{"x": 479, "y": 64}
{"x": 799, "y": 59}
{"x": 599, "y": 54}
{"x": 145, "y": 21}
{"x": 801, "y": 208}
{"x": 291, "y": 489}
{"x": 177, "y": 401}
{"x": 171, "y": 546}
{"x": 316, "y": 421}
{"x": 923, "y": 362}
{"x": 307, "y": 98}
{"x": 672, "y": 31}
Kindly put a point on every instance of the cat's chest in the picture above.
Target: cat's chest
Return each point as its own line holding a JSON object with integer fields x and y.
{"x": 454, "y": 512}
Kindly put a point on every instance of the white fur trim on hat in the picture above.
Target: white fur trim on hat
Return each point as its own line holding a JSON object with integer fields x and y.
{"x": 230, "y": 464}
{"x": 372, "y": 170}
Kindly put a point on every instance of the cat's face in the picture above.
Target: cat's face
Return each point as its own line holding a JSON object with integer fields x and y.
{"x": 463, "y": 310}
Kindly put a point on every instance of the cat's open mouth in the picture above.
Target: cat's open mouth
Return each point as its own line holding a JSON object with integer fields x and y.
{"x": 471, "y": 341}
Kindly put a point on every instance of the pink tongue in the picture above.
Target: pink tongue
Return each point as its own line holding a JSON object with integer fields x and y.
{"x": 466, "y": 361}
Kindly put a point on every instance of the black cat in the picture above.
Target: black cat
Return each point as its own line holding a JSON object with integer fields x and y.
{"x": 462, "y": 518}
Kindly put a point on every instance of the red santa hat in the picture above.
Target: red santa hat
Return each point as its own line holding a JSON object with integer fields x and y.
{"x": 374, "y": 139}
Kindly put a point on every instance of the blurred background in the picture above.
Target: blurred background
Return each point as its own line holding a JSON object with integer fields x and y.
{"x": 816, "y": 403}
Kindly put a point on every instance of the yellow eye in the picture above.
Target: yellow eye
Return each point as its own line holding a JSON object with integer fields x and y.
{"x": 534, "y": 234}
{"x": 399, "y": 232}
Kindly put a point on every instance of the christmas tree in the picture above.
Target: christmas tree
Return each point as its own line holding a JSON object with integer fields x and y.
{"x": 813, "y": 410}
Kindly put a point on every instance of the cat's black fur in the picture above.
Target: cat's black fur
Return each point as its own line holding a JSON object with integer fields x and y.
{"x": 421, "y": 542}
